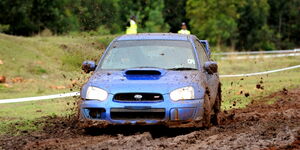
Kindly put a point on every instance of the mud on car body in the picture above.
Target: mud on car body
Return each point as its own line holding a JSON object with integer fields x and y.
{"x": 153, "y": 79}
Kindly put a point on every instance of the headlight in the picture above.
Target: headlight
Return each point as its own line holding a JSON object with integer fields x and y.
{"x": 96, "y": 93}
{"x": 183, "y": 93}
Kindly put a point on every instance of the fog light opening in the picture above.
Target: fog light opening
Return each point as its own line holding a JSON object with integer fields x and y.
{"x": 96, "y": 113}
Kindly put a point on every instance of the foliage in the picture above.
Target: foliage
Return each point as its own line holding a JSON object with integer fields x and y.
{"x": 4, "y": 28}
{"x": 246, "y": 24}
{"x": 174, "y": 14}
{"x": 132, "y": 8}
{"x": 32, "y": 16}
{"x": 254, "y": 32}
{"x": 284, "y": 20}
{"x": 93, "y": 13}
{"x": 213, "y": 19}
{"x": 240, "y": 24}
{"x": 155, "y": 21}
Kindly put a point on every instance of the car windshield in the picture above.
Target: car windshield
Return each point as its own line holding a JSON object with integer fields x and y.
{"x": 166, "y": 54}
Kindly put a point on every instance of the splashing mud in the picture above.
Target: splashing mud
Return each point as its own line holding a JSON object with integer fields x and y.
{"x": 259, "y": 126}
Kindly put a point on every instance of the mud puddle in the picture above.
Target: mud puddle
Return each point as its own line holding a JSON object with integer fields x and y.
{"x": 258, "y": 126}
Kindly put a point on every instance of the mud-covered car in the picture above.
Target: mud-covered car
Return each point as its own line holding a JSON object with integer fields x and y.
{"x": 152, "y": 79}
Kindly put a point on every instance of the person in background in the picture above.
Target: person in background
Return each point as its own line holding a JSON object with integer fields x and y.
{"x": 184, "y": 29}
{"x": 131, "y": 27}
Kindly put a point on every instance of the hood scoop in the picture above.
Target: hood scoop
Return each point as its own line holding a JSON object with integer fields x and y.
{"x": 143, "y": 74}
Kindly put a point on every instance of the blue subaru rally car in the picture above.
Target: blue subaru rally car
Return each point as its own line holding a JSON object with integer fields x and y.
{"x": 153, "y": 78}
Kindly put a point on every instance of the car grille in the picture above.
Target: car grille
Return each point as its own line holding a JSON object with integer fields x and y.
{"x": 137, "y": 97}
{"x": 131, "y": 114}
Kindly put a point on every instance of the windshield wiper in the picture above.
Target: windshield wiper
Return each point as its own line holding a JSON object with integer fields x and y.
{"x": 182, "y": 68}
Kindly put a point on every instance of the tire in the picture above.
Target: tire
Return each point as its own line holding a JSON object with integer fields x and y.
{"x": 211, "y": 113}
{"x": 207, "y": 112}
{"x": 215, "y": 120}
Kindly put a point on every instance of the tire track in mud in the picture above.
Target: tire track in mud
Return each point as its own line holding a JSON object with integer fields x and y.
{"x": 258, "y": 126}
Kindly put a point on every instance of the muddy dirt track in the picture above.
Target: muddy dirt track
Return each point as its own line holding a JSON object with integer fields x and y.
{"x": 259, "y": 126}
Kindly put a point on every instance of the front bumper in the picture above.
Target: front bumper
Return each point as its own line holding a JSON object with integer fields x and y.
{"x": 165, "y": 112}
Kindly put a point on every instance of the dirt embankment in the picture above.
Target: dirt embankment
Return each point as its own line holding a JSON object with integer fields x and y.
{"x": 258, "y": 126}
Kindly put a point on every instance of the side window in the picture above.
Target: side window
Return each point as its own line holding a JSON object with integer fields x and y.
{"x": 201, "y": 52}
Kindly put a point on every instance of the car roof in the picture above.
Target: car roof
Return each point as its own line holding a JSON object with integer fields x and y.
{"x": 155, "y": 36}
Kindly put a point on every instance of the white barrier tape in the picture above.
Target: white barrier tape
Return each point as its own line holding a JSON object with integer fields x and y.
{"x": 77, "y": 93}
{"x": 260, "y": 56}
{"x": 259, "y": 73}
{"x": 39, "y": 98}
{"x": 258, "y": 52}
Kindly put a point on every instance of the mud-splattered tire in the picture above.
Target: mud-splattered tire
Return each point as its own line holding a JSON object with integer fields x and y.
{"x": 211, "y": 113}
{"x": 216, "y": 109}
{"x": 207, "y": 112}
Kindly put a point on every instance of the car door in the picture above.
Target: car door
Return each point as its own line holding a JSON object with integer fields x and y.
{"x": 212, "y": 80}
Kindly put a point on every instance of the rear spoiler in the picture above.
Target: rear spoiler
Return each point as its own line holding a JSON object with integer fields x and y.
{"x": 206, "y": 46}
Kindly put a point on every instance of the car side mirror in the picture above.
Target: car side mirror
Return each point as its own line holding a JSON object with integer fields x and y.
{"x": 206, "y": 46}
{"x": 88, "y": 66}
{"x": 211, "y": 67}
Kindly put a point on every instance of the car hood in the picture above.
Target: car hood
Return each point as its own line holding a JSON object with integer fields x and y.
{"x": 165, "y": 82}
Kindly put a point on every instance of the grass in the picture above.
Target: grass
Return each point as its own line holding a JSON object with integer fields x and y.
{"x": 19, "y": 117}
{"x": 42, "y": 65}
{"x": 46, "y": 62}
{"x": 53, "y": 61}
{"x": 234, "y": 89}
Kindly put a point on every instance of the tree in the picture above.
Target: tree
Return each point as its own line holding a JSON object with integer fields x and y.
{"x": 174, "y": 14}
{"x": 28, "y": 17}
{"x": 149, "y": 14}
{"x": 130, "y": 8}
{"x": 95, "y": 13}
{"x": 155, "y": 21}
{"x": 284, "y": 19}
{"x": 54, "y": 15}
{"x": 16, "y": 15}
{"x": 213, "y": 20}
{"x": 242, "y": 24}
{"x": 254, "y": 32}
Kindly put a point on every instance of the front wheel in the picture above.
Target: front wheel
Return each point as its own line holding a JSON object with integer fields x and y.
{"x": 207, "y": 111}
{"x": 211, "y": 113}
{"x": 215, "y": 120}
